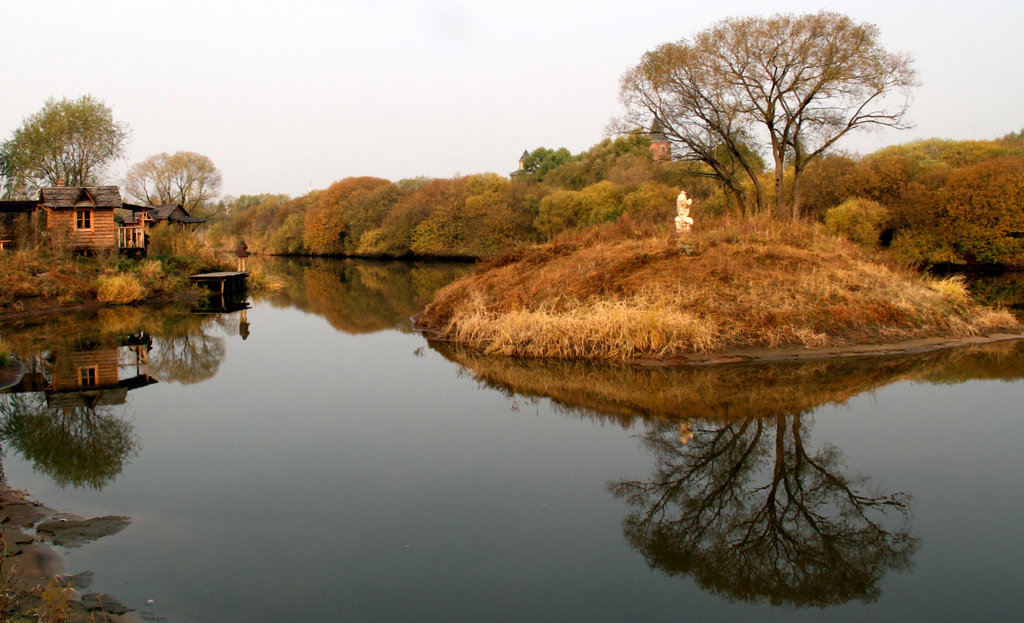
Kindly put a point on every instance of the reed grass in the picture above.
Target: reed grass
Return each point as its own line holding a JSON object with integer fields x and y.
{"x": 261, "y": 282}
{"x": 615, "y": 294}
{"x": 44, "y": 278}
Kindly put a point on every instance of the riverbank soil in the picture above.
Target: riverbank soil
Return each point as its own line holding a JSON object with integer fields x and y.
{"x": 31, "y": 572}
{"x": 737, "y": 290}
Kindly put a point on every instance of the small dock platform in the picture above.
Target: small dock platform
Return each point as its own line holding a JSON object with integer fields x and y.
{"x": 223, "y": 283}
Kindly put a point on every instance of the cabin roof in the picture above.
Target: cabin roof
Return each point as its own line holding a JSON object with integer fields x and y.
{"x": 17, "y": 206}
{"x": 137, "y": 214}
{"x": 157, "y": 213}
{"x": 174, "y": 213}
{"x": 78, "y": 196}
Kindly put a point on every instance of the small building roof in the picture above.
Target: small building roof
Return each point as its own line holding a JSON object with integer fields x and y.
{"x": 658, "y": 133}
{"x": 174, "y": 213}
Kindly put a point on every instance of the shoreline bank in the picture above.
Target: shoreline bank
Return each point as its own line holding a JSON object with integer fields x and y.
{"x": 37, "y": 311}
{"x": 32, "y": 578}
{"x": 780, "y": 354}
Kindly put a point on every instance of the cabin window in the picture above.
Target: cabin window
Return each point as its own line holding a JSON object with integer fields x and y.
{"x": 87, "y": 376}
{"x": 83, "y": 219}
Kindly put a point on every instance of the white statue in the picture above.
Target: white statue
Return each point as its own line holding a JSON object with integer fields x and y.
{"x": 683, "y": 220}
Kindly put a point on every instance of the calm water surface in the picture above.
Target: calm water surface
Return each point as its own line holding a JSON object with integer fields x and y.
{"x": 312, "y": 458}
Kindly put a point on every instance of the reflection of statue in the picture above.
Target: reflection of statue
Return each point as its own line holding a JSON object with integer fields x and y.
{"x": 243, "y": 325}
{"x": 747, "y": 511}
{"x": 685, "y": 433}
{"x": 683, "y": 220}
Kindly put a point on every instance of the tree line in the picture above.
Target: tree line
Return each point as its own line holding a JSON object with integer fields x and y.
{"x": 466, "y": 216}
{"x": 929, "y": 202}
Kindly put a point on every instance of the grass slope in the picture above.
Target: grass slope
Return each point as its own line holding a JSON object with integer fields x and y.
{"x": 616, "y": 293}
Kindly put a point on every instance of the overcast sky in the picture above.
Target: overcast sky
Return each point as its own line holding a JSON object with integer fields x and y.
{"x": 287, "y": 95}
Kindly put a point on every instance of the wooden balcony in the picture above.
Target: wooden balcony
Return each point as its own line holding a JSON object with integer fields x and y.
{"x": 131, "y": 237}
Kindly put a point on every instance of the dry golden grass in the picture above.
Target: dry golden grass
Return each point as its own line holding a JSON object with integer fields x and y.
{"x": 39, "y": 279}
{"x": 151, "y": 270}
{"x": 119, "y": 289}
{"x": 615, "y": 294}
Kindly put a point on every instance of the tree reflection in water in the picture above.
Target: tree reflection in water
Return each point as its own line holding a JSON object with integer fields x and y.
{"x": 75, "y": 446}
{"x": 187, "y": 359}
{"x": 738, "y": 500}
{"x": 750, "y": 514}
{"x": 69, "y": 413}
{"x": 361, "y": 296}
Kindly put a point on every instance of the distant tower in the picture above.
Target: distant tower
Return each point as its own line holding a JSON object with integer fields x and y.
{"x": 522, "y": 167}
{"x": 661, "y": 149}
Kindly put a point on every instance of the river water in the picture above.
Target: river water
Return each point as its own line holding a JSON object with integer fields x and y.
{"x": 312, "y": 458}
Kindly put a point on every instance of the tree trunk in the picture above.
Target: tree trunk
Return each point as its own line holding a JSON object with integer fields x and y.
{"x": 780, "y": 167}
{"x": 797, "y": 170}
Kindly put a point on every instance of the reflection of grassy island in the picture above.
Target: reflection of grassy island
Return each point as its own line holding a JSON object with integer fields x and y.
{"x": 626, "y": 394}
{"x": 617, "y": 294}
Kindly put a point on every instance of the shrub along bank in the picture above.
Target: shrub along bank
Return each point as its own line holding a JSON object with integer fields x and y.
{"x": 42, "y": 279}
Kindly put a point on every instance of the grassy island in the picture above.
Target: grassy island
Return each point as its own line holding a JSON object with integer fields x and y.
{"x": 622, "y": 293}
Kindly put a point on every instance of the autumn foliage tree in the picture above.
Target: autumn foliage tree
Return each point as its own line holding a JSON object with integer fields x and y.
{"x": 66, "y": 141}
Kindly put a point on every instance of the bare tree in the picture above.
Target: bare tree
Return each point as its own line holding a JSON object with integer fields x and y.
{"x": 794, "y": 85}
{"x": 674, "y": 88}
{"x": 185, "y": 178}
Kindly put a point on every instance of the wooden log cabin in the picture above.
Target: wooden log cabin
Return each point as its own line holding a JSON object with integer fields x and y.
{"x": 138, "y": 220}
{"x": 81, "y": 217}
{"x": 87, "y": 219}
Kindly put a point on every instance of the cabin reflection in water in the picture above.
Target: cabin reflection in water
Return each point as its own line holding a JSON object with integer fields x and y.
{"x": 91, "y": 374}
{"x": 66, "y": 414}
